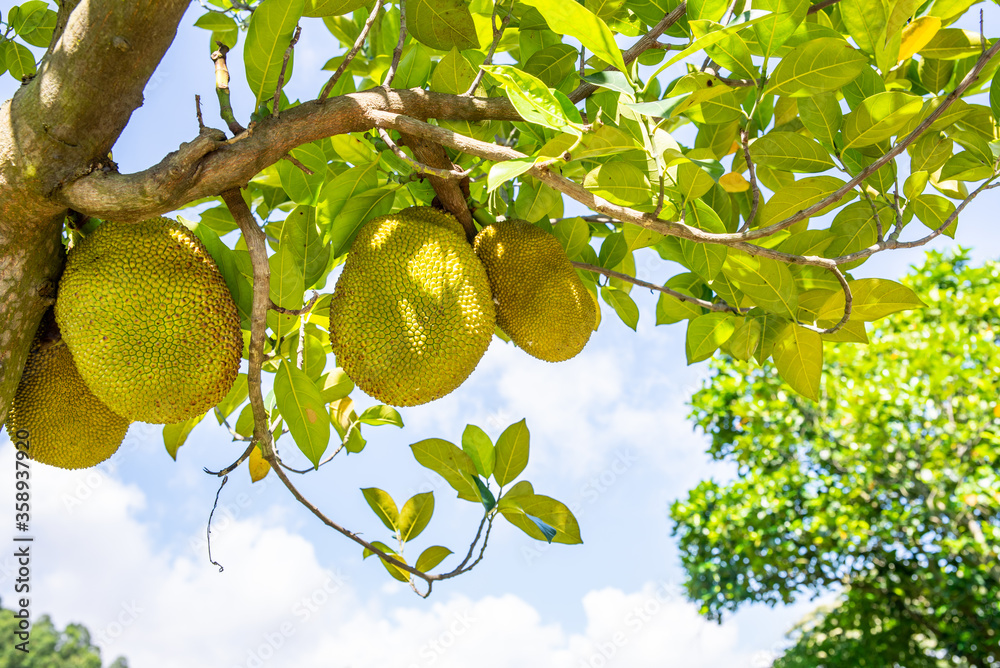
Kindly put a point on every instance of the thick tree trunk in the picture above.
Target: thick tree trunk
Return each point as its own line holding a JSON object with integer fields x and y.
{"x": 59, "y": 127}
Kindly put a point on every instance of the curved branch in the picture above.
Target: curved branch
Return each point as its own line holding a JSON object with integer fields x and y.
{"x": 711, "y": 306}
{"x": 182, "y": 176}
{"x": 646, "y": 42}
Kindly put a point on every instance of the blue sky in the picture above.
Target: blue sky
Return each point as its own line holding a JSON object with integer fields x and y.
{"x": 121, "y": 547}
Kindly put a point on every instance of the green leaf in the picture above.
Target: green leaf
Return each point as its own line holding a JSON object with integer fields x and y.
{"x": 879, "y": 117}
{"x": 798, "y": 357}
{"x": 453, "y": 74}
{"x": 866, "y": 21}
{"x": 619, "y": 183}
{"x": 526, "y": 510}
{"x": 933, "y": 211}
{"x": 174, "y": 435}
{"x": 952, "y": 44}
{"x": 623, "y": 305}
{"x": 786, "y": 17}
{"x": 768, "y": 282}
{"x": 20, "y": 61}
{"x": 236, "y": 396}
{"x": 995, "y": 96}
{"x": 302, "y": 407}
{"x": 742, "y": 21}
{"x": 431, "y": 557}
{"x": 383, "y": 505}
{"x": 394, "y": 571}
{"x": 450, "y": 463}
{"x": 800, "y": 196}
{"x": 415, "y": 515}
{"x": 511, "y": 453}
{"x": 821, "y": 116}
{"x": 706, "y": 333}
{"x": 479, "y": 447}
{"x": 301, "y": 235}
{"x": 335, "y": 386}
{"x": 531, "y": 98}
{"x": 381, "y": 415}
{"x": 485, "y": 495}
{"x": 704, "y": 259}
{"x": 614, "y": 248}
{"x": 873, "y": 298}
{"x": 271, "y": 27}
{"x": 501, "y": 172}
{"x": 442, "y": 24}
{"x": 331, "y": 7}
{"x": 611, "y": 80}
{"x": 571, "y": 18}
{"x": 745, "y": 341}
{"x": 573, "y": 234}
{"x": 788, "y": 151}
{"x": 552, "y": 64}
{"x": 670, "y": 309}
{"x": 358, "y": 211}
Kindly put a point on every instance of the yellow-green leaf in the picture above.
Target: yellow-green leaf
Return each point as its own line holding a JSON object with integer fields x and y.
{"x": 798, "y": 357}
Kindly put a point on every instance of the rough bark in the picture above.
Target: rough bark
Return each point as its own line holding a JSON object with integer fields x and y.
{"x": 58, "y": 127}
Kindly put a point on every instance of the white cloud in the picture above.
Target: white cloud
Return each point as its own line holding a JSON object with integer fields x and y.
{"x": 278, "y": 603}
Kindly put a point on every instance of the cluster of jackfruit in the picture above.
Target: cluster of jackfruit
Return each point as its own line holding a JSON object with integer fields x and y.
{"x": 415, "y": 307}
{"x": 147, "y": 331}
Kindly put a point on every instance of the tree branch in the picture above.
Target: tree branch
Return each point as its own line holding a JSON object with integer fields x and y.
{"x": 711, "y": 306}
{"x": 646, "y": 42}
{"x": 350, "y": 54}
{"x": 184, "y": 176}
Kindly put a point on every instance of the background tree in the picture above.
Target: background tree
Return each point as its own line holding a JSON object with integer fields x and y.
{"x": 50, "y": 647}
{"x": 887, "y": 487}
{"x": 757, "y": 119}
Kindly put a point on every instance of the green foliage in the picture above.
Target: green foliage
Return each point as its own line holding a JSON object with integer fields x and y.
{"x": 886, "y": 485}
{"x": 754, "y": 162}
{"x": 49, "y": 647}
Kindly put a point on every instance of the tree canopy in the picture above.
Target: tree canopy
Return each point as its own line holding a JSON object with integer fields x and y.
{"x": 887, "y": 487}
{"x": 758, "y": 150}
{"x": 49, "y": 647}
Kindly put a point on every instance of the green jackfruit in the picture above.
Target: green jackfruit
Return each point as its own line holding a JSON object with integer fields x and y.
{"x": 542, "y": 305}
{"x": 149, "y": 320}
{"x": 65, "y": 424}
{"x": 412, "y": 314}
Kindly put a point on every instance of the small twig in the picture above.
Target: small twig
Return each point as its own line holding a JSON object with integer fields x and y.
{"x": 222, "y": 90}
{"x": 711, "y": 306}
{"x": 583, "y": 61}
{"x": 197, "y": 109}
{"x": 297, "y": 163}
{"x": 420, "y": 167}
{"x": 659, "y": 200}
{"x": 645, "y": 42}
{"x": 311, "y": 469}
{"x": 879, "y": 233}
{"x": 823, "y": 4}
{"x": 398, "y": 51}
{"x": 848, "y": 301}
{"x": 232, "y": 467}
{"x": 295, "y": 311}
{"x": 754, "y": 188}
{"x": 497, "y": 34}
{"x": 353, "y": 52}
{"x": 208, "y": 528}
{"x": 281, "y": 75}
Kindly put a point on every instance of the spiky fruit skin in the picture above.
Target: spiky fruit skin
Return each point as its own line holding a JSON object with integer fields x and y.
{"x": 66, "y": 425}
{"x": 541, "y": 304}
{"x": 149, "y": 320}
{"x": 412, "y": 313}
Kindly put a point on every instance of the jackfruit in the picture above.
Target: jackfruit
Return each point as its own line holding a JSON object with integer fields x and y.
{"x": 152, "y": 327}
{"x": 66, "y": 425}
{"x": 412, "y": 314}
{"x": 541, "y": 304}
